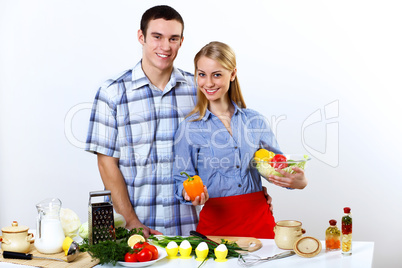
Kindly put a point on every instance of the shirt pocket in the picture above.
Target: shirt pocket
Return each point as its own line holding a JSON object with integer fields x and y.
{"x": 135, "y": 135}
{"x": 224, "y": 159}
{"x": 221, "y": 186}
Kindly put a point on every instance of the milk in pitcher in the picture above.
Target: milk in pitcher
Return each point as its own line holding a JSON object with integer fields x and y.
{"x": 49, "y": 232}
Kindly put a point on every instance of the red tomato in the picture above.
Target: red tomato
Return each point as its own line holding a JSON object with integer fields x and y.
{"x": 144, "y": 255}
{"x": 279, "y": 158}
{"x": 154, "y": 251}
{"x": 140, "y": 245}
{"x": 130, "y": 257}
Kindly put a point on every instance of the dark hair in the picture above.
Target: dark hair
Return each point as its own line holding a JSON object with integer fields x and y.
{"x": 160, "y": 12}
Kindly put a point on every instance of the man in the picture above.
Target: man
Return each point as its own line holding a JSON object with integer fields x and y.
{"x": 132, "y": 126}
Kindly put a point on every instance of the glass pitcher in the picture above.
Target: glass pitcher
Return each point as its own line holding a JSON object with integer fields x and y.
{"x": 49, "y": 232}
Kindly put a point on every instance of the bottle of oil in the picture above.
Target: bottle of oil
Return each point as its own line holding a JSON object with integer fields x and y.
{"x": 347, "y": 232}
{"x": 332, "y": 237}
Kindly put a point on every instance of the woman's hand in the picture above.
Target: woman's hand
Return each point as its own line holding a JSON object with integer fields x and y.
{"x": 197, "y": 201}
{"x": 269, "y": 199}
{"x": 294, "y": 181}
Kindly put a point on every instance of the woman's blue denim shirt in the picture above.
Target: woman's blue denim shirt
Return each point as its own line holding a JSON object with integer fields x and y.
{"x": 223, "y": 161}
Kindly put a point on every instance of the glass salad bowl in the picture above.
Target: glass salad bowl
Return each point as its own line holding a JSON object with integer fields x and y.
{"x": 283, "y": 162}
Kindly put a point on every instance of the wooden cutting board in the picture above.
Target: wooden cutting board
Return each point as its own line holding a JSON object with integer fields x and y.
{"x": 247, "y": 243}
{"x": 84, "y": 260}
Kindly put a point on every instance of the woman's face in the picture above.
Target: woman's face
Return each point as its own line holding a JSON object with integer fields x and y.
{"x": 213, "y": 79}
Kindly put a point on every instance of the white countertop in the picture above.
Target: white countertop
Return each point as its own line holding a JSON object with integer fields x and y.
{"x": 361, "y": 257}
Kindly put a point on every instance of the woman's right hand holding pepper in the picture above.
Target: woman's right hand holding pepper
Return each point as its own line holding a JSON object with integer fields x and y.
{"x": 199, "y": 200}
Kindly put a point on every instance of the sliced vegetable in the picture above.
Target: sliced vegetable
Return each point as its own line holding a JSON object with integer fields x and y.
{"x": 193, "y": 186}
{"x": 66, "y": 244}
{"x": 134, "y": 239}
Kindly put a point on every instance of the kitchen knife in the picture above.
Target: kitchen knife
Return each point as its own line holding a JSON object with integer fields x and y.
{"x": 25, "y": 256}
{"x": 194, "y": 233}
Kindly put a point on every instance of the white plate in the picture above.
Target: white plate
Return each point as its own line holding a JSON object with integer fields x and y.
{"x": 161, "y": 255}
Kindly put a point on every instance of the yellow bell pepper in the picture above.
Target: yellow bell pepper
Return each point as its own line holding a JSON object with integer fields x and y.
{"x": 263, "y": 155}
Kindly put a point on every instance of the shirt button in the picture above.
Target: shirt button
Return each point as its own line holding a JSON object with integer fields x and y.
{"x": 237, "y": 166}
{"x": 239, "y": 185}
{"x": 235, "y": 147}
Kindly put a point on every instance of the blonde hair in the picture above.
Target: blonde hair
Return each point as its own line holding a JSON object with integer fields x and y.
{"x": 225, "y": 55}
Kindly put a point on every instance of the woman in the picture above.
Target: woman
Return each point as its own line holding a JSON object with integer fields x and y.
{"x": 217, "y": 141}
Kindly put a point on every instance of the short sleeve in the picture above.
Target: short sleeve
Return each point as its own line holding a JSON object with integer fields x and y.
{"x": 103, "y": 131}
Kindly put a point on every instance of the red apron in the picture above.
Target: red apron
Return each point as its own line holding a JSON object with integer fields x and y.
{"x": 241, "y": 215}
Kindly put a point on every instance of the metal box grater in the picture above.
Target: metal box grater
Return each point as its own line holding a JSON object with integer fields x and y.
{"x": 100, "y": 218}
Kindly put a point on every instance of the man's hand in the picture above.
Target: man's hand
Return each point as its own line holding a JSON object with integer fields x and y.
{"x": 145, "y": 229}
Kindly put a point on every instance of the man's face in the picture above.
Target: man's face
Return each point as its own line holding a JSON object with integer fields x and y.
{"x": 161, "y": 44}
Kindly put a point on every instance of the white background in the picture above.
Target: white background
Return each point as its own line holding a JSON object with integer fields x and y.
{"x": 294, "y": 59}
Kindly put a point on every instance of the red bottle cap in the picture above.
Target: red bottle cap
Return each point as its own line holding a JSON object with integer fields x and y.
{"x": 332, "y": 222}
{"x": 346, "y": 210}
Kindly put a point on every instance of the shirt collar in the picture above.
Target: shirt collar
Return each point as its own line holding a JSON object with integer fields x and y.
{"x": 139, "y": 79}
{"x": 208, "y": 113}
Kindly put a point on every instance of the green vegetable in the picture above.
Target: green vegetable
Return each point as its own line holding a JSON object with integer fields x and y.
{"x": 106, "y": 251}
{"x": 83, "y": 230}
{"x": 110, "y": 251}
{"x": 123, "y": 233}
{"x": 265, "y": 169}
{"x": 70, "y": 222}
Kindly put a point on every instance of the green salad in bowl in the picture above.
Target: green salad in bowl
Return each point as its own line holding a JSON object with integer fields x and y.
{"x": 267, "y": 162}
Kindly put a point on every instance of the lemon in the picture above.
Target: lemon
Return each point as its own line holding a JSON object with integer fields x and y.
{"x": 263, "y": 155}
{"x": 134, "y": 239}
{"x": 66, "y": 244}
